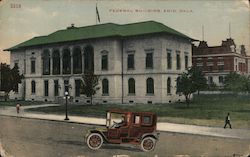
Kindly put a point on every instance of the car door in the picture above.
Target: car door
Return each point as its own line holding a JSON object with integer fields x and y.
{"x": 135, "y": 128}
{"x": 113, "y": 133}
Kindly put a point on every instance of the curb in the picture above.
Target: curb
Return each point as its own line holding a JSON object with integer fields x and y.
{"x": 53, "y": 120}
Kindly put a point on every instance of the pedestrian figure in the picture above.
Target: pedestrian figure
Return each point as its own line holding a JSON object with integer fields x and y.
{"x": 227, "y": 121}
{"x": 18, "y": 108}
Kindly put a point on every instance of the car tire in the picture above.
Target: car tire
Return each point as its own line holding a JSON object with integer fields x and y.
{"x": 94, "y": 141}
{"x": 148, "y": 144}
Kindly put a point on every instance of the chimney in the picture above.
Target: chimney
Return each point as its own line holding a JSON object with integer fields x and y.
{"x": 243, "y": 50}
{"x": 203, "y": 44}
{"x": 229, "y": 42}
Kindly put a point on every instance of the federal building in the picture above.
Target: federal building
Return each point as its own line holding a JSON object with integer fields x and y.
{"x": 136, "y": 62}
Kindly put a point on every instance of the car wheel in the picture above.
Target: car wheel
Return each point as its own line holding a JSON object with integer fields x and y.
{"x": 148, "y": 144}
{"x": 94, "y": 141}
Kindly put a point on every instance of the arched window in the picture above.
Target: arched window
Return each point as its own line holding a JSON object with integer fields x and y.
{"x": 131, "y": 86}
{"x": 56, "y": 62}
{"x": 105, "y": 87}
{"x": 77, "y": 61}
{"x": 46, "y": 62}
{"x": 169, "y": 85}
{"x": 66, "y": 62}
{"x": 33, "y": 87}
{"x": 88, "y": 59}
{"x": 150, "y": 86}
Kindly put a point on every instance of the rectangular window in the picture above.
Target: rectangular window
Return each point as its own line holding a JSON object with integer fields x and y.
{"x": 210, "y": 80}
{"x": 136, "y": 119}
{"x": 169, "y": 59}
{"x": 16, "y": 88}
{"x": 221, "y": 79}
{"x": 178, "y": 60}
{"x": 66, "y": 85}
{"x": 131, "y": 61}
{"x": 149, "y": 60}
{"x": 104, "y": 62}
{"x": 146, "y": 120}
{"x": 221, "y": 67}
{"x": 186, "y": 62}
{"x": 77, "y": 87}
{"x": 33, "y": 87}
{"x": 33, "y": 66}
{"x": 24, "y": 70}
{"x": 210, "y": 68}
{"x": 56, "y": 87}
{"x": 46, "y": 88}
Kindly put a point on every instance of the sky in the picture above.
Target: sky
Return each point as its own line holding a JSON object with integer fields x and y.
{"x": 21, "y": 20}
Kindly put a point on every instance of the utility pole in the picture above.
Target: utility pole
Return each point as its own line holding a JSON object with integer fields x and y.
{"x": 229, "y": 30}
{"x": 202, "y": 32}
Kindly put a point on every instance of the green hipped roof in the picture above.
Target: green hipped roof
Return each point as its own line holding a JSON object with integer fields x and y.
{"x": 99, "y": 31}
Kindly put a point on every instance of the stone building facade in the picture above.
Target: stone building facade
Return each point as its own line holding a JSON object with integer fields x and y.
{"x": 137, "y": 63}
{"x": 218, "y": 61}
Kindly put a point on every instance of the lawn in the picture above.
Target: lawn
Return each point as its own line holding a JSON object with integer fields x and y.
{"x": 209, "y": 110}
{"x": 23, "y": 103}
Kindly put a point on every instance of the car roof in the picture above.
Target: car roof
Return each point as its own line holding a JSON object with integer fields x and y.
{"x": 119, "y": 111}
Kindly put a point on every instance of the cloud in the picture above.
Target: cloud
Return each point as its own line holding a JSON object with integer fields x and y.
{"x": 239, "y": 6}
{"x": 228, "y": 6}
{"x": 55, "y": 14}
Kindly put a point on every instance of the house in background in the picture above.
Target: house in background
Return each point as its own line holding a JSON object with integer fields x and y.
{"x": 218, "y": 61}
{"x": 137, "y": 63}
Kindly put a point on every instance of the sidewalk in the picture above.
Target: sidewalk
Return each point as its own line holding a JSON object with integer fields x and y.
{"x": 162, "y": 126}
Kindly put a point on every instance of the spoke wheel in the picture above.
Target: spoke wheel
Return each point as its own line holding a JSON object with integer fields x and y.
{"x": 94, "y": 141}
{"x": 148, "y": 144}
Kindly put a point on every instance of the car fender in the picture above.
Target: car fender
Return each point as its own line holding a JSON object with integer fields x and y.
{"x": 155, "y": 135}
{"x": 99, "y": 131}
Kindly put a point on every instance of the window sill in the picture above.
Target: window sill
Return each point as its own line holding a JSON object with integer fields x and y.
{"x": 131, "y": 94}
{"x": 131, "y": 68}
{"x": 150, "y": 94}
{"x": 149, "y": 68}
{"x": 77, "y": 72}
{"x": 105, "y": 94}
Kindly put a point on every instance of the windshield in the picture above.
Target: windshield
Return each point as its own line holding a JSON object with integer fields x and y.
{"x": 115, "y": 120}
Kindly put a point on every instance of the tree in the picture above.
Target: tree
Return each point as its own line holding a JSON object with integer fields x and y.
{"x": 89, "y": 85}
{"x": 10, "y": 79}
{"x": 186, "y": 86}
{"x": 237, "y": 83}
{"x": 198, "y": 77}
{"x": 191, "y": 81}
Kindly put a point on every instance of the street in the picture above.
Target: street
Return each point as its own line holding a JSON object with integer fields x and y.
{"x": 23, "y": 137}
